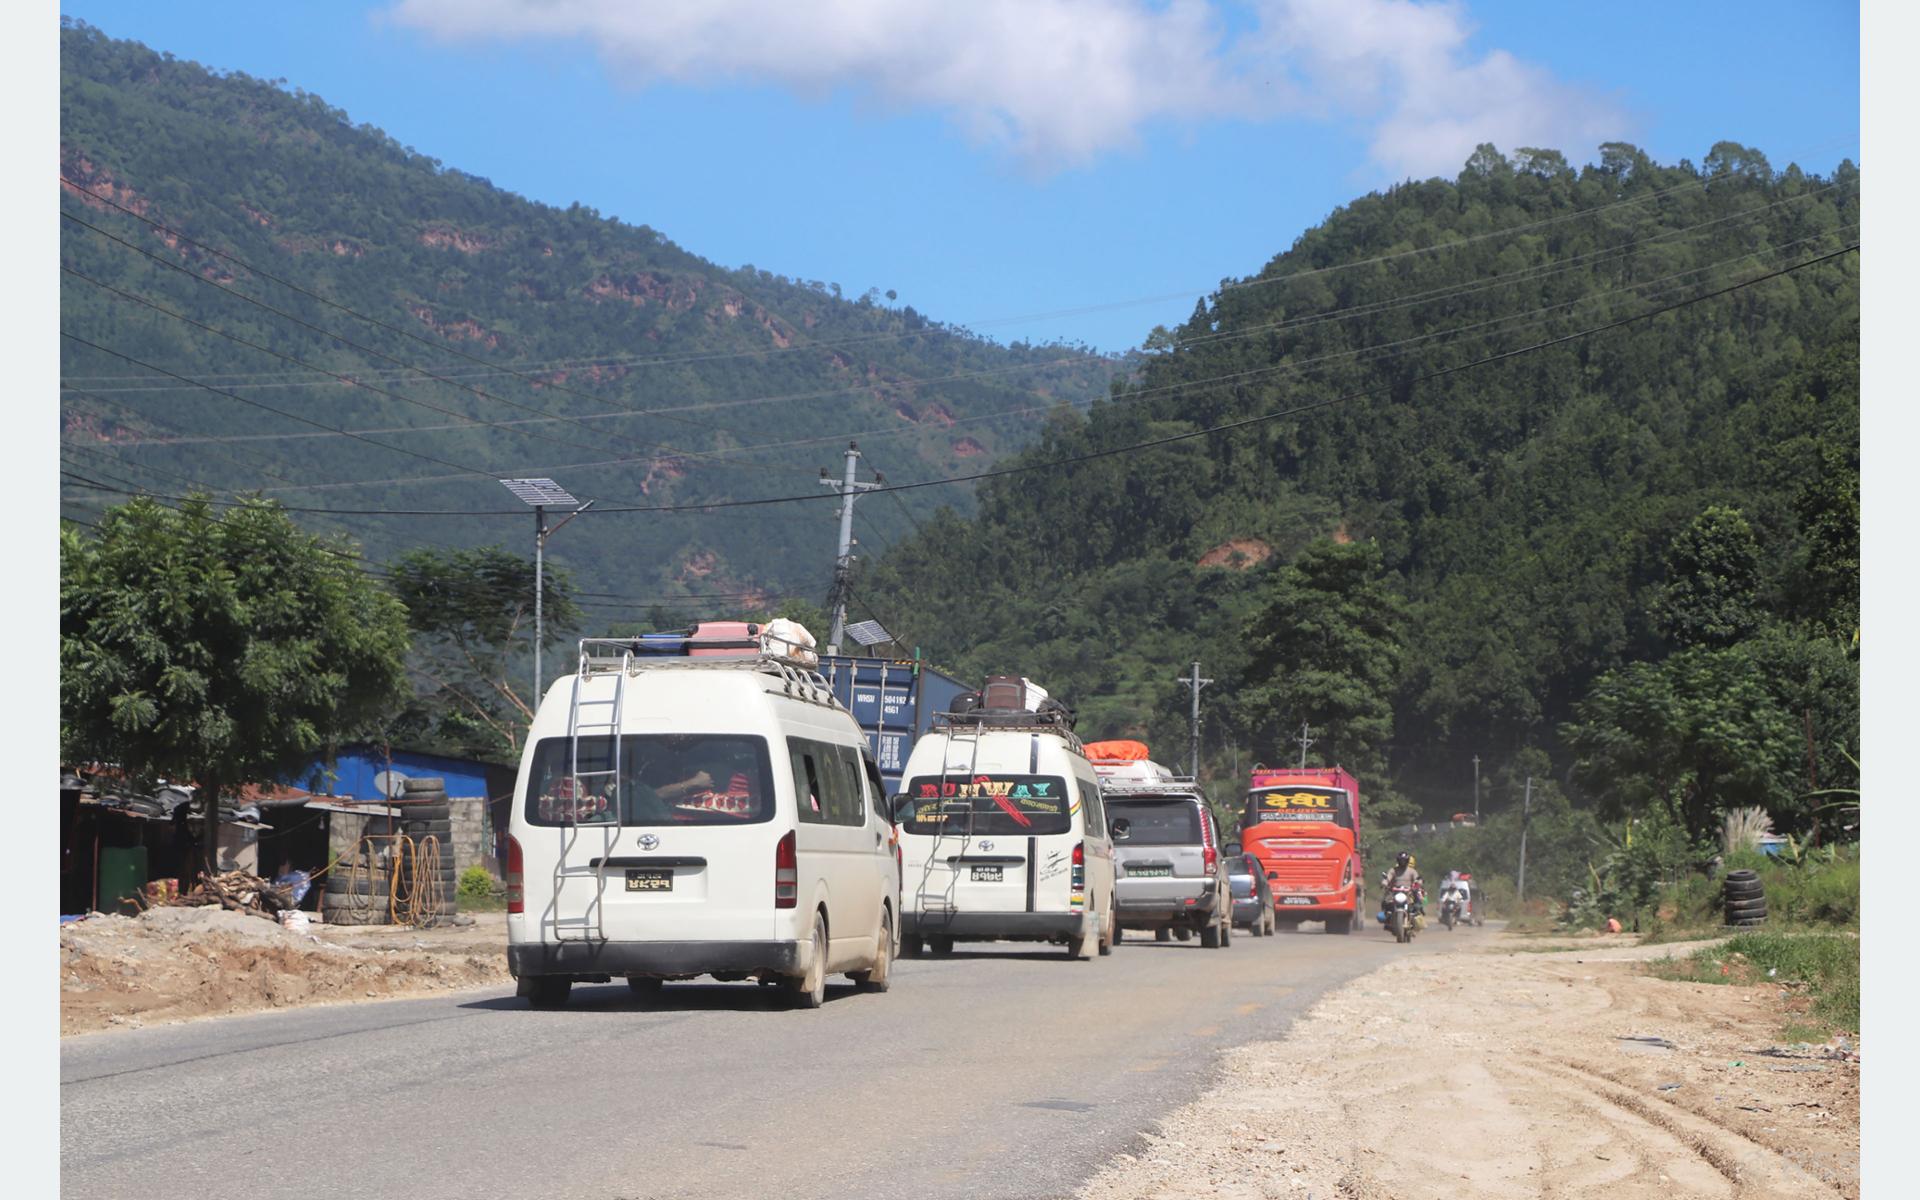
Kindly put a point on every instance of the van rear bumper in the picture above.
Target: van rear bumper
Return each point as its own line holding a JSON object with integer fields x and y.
{"x": 526, "y": 959}
{"x": 1007, "y": 926}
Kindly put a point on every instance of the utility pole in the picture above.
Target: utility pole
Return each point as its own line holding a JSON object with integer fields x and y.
{"x": 1526, "y": 809}
{"x": 1476, "y": 791}
{"x": 1304, "y": 741}
{"x": 848, "y": 487}
{"x": 1193, "y": 728}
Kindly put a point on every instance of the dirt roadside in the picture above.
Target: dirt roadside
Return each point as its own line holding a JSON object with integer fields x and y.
{"x": 1496, "y": 1074}
{"x": 180, "y": 964}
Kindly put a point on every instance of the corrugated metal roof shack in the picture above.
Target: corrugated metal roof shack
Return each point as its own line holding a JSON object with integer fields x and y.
{"x": 112, "y": 844}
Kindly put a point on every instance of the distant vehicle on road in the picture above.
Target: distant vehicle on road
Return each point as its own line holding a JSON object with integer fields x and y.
{"x": 1252, "y": 898}
{"x": 1002, "y": 830}
{"x": 1169, "y": 873}
{"x": 698, "y": 804}
{"x": 1303, "y": 825}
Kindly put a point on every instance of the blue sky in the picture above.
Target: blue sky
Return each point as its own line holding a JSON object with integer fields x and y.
{"x": 1072, "y": 169}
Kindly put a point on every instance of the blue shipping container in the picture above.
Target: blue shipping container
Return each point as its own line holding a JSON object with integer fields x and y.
{"x": 893, "y": 700}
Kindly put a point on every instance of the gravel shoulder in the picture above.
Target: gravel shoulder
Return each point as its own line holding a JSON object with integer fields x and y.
{"x": 1515, "y": 1073}
{"x": 182, "y": 964}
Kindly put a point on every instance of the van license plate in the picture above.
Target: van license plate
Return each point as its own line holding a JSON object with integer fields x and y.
{"x": 1148, "y": 872}
{"x": 650, "y": 879}
{"x": 989, "y": 874}
{"x": 1296, "y": 899}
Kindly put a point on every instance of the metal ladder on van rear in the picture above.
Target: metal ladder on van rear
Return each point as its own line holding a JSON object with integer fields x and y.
{"x": 589, "y": 926}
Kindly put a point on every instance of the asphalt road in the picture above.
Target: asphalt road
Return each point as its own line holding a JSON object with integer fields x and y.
{"x": 1004, "y": 1071}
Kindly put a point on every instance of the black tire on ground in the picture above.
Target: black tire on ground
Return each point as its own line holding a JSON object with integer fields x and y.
{"x": 912, "y": 947}
{"x": 420, "y": 831}
{"x": 545, "y": 991}
{"x": 1749, "y": 921}
{"x": 358, "y": 916}
{"x": 1183, "y": 934}
{"x": 1734, "y": 906}
{"x": 1748, "y": 888}
{"x": 378, "y": 887}
{"x": 1163, "y": 935}
{"x": 1257, "y": 928}
{"x": 810, "y": 990}
{"x": 940, "y": 945}
{"x": 1340, "y": 923}
{"x": 1210, "y": 937}
{"x": 644, "y": 989}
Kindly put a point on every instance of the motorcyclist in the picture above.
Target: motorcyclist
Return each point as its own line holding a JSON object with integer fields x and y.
{"x": 1405, "y": 877}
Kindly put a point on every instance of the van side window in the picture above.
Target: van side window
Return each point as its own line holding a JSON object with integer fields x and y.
{"x": 1092, "y": 805}
{"x": 876, "y": 787}
{"x": 852, "y": 809}
{"x": 809, "y": 794}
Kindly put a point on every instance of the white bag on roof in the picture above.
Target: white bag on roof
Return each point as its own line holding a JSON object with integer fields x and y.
{"x": 789, "y": 639}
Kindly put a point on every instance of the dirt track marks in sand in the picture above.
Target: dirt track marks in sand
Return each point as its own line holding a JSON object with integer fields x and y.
{"x": 1502, "y": 1076}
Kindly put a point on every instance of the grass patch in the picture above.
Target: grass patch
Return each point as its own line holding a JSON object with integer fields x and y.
{"x": 1824, "y": 967}
{"x": 488, "y": 903}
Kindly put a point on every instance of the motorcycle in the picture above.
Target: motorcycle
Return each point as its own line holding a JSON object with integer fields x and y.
{"x": 1400, "y": 919}
{"x": 1452, "y": 909}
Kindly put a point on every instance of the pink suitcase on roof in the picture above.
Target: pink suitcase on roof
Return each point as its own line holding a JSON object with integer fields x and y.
{"x": 711, "y": 639}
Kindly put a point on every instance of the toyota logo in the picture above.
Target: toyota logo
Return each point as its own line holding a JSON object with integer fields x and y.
{"x": 986, "y": 845}
{"x": 649, "y": 842}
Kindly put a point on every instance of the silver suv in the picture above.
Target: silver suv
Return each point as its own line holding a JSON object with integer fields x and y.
{"x": 1170, "y": 875}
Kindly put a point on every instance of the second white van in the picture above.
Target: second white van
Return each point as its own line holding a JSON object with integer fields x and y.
{"x": 1003, "y": 836}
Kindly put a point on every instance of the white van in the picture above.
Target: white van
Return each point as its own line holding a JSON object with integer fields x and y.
{"x": 683, "y": 816}
{"x": 1003, "y": 837}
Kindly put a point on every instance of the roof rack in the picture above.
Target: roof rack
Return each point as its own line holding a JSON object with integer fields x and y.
{"x": 1171, "y": 783}
{"x": 994, "y": 720}
{"x": 609, "y": 656}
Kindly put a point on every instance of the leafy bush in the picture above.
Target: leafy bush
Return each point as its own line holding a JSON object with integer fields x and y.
{"x": 475, "y": 883}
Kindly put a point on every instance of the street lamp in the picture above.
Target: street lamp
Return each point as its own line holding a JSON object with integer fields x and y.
{"x": 540, "y": 494}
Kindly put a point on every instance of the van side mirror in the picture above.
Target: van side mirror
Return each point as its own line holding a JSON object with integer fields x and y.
{"x": 1120, "y": 827}
{"x": 897, "y": 807}
{"x": 1233, "y": 850}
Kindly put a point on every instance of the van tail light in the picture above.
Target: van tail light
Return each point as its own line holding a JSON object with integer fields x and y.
{"x": 1212, "y": 857}
{"x": 786, "y": 873}
{"x": 516, "y": 877}
{"x": 1079, "y": 854}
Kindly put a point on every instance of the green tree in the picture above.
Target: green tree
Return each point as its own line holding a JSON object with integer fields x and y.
{"x": 1695, "y": 734}
{"x": 1325, "y": 650}
{"x": 1711, "y": 596}
{"x": 222, "y": 648}
{"x": 472, "y": 614}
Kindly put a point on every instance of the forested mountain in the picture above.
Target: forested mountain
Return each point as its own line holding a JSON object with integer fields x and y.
{"x": 1425, "y": 560}
{"x": 501, "y": 334}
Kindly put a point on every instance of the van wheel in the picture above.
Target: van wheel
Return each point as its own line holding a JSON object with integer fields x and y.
{"x": 1183, "y": 933}
{"x": 1110, "y": 934}
{"x": 912, "y": 947}
{"x": 810, "y": 990}
{"x": 545, "y": 991}
{"x": 880, "y": 978}
{"x": 1163, "y": 935}
{"x": 941, "y": 946}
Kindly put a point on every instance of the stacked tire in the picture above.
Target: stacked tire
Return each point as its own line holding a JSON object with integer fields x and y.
{"x": 1744, "y": 898}
{"x": 425, "y": 813}
{"x": 357, "y": 894}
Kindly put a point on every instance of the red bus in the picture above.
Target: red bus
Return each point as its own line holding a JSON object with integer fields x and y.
{"x": 1303, "y": 826}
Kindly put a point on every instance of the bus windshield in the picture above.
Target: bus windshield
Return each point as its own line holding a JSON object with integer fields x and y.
{"x": 990, "y": 805}
{"x": 1299, "y": 803}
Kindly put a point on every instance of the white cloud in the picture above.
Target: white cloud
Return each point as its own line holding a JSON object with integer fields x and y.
{"x": 1057, "y": 82}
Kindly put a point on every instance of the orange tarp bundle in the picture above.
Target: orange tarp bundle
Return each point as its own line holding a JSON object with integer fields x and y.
{"x": 1116, "y": 751}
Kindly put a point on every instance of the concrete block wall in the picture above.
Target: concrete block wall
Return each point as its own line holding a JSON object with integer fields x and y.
{"x": 470, "y": 830}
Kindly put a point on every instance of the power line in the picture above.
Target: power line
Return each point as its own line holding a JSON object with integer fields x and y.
{"x": 1173, "y": 438}
{"x": 549, "y": 415}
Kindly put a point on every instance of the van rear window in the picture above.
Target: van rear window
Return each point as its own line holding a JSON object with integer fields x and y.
{"x": 1157, "y": 822}
{"x": 658, "y": 779}
{"x": 987, "y": 805}
{"x": 1298, "y": 802}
